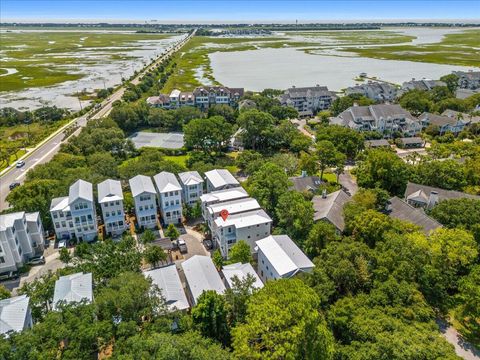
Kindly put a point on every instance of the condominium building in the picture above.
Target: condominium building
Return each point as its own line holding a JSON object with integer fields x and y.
{"x": 144, "y": 196}
{"x": 169, "y": 197}
{"x": 468, "y": 79}
{"x": 192, "y": 187}
{"x": 110, "y": 198}
{"x": 308, "y": 100}
{"x": 378, "y": 91}
{"x": 220, "y": 179}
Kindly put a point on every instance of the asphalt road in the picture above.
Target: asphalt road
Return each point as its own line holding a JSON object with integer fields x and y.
{"x": 47, "y": 150}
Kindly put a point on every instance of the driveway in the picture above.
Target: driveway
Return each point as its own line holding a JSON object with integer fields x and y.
{"x": 462, "y": 348}
{"x": 348, "y": 182}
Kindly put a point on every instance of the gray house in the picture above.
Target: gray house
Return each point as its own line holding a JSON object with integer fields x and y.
{"x": 330, "y": 208}
{"x": 308, "y": 100}
{"x": 399, "y": 209}
{"x": 378, "y": 91}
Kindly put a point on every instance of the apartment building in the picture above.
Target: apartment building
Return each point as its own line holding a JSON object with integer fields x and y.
{"x": 249, "y": 226}
{"x": 21, "y": 238}
{"x": 377, "y": 91}
{"x": 220, "y": 179}
{"x": 216, "y": 197}
{"x": 192, "y": 187}
{"x": 110, "y": 198}
{"x": 308, "y": 101}
{"x": 468, "y": 79}
{"x": 423, "y": 85}
{"x": 144, "y": 196}
{"x": 443, "y": 122}
{"x": 169, "y": 197}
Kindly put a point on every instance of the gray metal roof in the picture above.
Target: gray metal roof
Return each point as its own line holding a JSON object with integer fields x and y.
{"x": 331, "y": 208}
{"x": 221, "y": 177}
{"x": 81, "y": 189}
{"x": 73, "y": 288}
{"x": 399, "y": 209}
{"x": 109, "y": 190}
{"x": 190, "y": 178}
{"x": 166, "y": 181}
{"x": 141, "y": 184}
{"x": 168, "y": 281}
{"x": 13, "y": 313}
{"x": 241, "y": 271}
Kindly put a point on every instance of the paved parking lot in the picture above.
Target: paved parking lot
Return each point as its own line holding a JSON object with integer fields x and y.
{"x": 161, "y": 140}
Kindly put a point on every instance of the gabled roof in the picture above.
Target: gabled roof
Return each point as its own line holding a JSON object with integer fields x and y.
{"x": 439, "y": 120}
{"x": 306, "y": 183}
{"x": 234, "y": 206}
{"x": 168, "y": 281}
{"x": 224, "y": 195}
{"x": 109, "y": 190}
{"x": 202, "y": 275}
{"x": 8, "y": 220}
{"x": 141, "y": 184}
{"x": 221, "y": 177}
{"x": 13, "y": 313}
{"x": 189, "y": 178}
{"x": 418, "y": 192}
{"x": 399, "y": 209}
{"x": 331, "y": 208}
{"x": 73, "y": 288}
{"x": 32, "y": 217}
{"x": 243, "y": 220}
{"x": 411, "y": 140}
{"x": 81, "y": 189}
{"x": 59, "y": 204}
{"x": 166, "y": 181}
{"x": 284, "y": 255}
{"x": 241, "y": 271}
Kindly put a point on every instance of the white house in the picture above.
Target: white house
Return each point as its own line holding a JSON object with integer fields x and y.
{"x": 192, "y": 186}
{"x": 169, "y": 197}
{"x": 110, "y": 198}
{"x": 73, "y": 288}
{"x": 279, "y": 257}
{"x": 201, "y": 275}
{"x": 241, "y": 271}
{"x": 62, "y": 218}
{"x": 168, "y": 281}
{"x": 250, "y": 226}
{"x": 216, "y": 197}
{"x": 15, "y": 314}
{"x": 21, "y": 237}
{"x": 220, "y": 179}
{"x": 231, "y": 207}
{"x": 144, "y": 196}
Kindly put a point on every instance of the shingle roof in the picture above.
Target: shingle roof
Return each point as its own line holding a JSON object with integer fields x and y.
{"x": 241, "y": 271}
{"x": 411, "y": 140}
{"x": 399, "y": 209}
{"x": 202, "y": 275}
{"x": 168, "y": 281}
{"x": 245, "y": 219}
{"x": 109, "y": 190}
{"x": 73, "y": 288}
{"x": 13, "y": 313}
{"x": 439, "y": 120}
{"x": 376, "y": 143}
{"x": 224, "y": 195}
{"x": 221, "y": 177}
{"x": 331, "y": 208}
{"x": 141, "y": 184}
{"x": 423, "y": 191}
{"x": 166, "y": 181}
{"x": 306, "y": 183}
{"x": 81, "y": 189}
{"x": 284, "y": 255}
{"x": 190, "y": 178}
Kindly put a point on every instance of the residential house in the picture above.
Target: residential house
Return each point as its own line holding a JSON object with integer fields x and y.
{"x": 468, "y": 79}
{"x": 384, "y": 118}
{"x": 110, "y": 198}
{"x": 306, "y": 183}
{"x": 399, "y": 209}
{"x": 330, "y": 208}
{"x": 427, "y": 196}
{"x": 192, "y": 187}
{"x": 73, "y": 288}
{"x": 15, "y": 315}
{"x": 465, "y": 93}
{"x": 161, "y": 101}
{"x": 215, "y": 197}
{"x": 279, "y": 257}
{"x": 62, "y": 218}
{"x": 410, "y": 142}
{"x": 169, "y": 197}
{"x": 144, "y": 196}
{"x": 444, "y": 123}
{"x": 375, "y": 144}
{"x": 201, "y": 275}
{"x": 308, "y": 101}
{"x": 206, "y": 96}
{"x": 377, "y": 91}
{"x": 423, "y": 85}
{"x": 220, "y": 179}
{"x": 249, "y": 226}
{"x": 232, "y": 207}
{"x": 21, "y": 238}
{"x": 241, "y": 271}
{"x": 170, "y": 285}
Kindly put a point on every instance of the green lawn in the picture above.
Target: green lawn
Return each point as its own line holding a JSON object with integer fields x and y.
{"x": 179, "y": 159}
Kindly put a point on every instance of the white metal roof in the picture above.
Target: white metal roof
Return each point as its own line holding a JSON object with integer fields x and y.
{"x": 59, "y": 204}
{"x": 73, "y": 288}
{"x": 190, "y": 178}
{"x": 241, "y": 271}
{"x": 13, "y": 313}
{"x": 168, "y": 281}
{"x": 109, "y": 190}
{"x": 175, "y": 93}
{"x": 234, "y": 206}
{"x": 224, "y": 195}
{"x": 81, "y": 189}
{"x": 166, "y": 182}
{"x": 141, "y": 184}
{"x": 243, "y": 220}
{"x": 221, "y": 177}
{"x": 284, "y": 255}
{"x": 202, "y": 275}
{"x": 7, "y": 220}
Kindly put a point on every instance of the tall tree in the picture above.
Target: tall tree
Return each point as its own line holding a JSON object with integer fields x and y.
{"x": 327, "y": 155}
{"x": 257, "y": 127}
{"x": 210, "y": 316}
{"x": 240, "y": 252}
{"x": 211, "y": 134}
{"x": 295, "y": 215}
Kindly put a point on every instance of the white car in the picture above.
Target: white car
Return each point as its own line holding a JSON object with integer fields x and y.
{"x": 62, "y": 244}
{"x": 20, "y": 163}
{"x": 182, "y": 246}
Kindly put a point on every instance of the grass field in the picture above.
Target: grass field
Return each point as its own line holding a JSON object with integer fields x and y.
{"x": 53, "y": 57}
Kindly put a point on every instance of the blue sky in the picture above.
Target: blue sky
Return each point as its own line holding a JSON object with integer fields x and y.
{"x": 237, "y": 10}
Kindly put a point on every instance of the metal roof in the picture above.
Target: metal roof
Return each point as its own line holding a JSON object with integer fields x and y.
{"x": 166, "y": 182}
{"x": 73, "y": 288}
{"x": 13, "y": 313}
{"x": 243, "y": 220}
{"x": 168, "y": 281}
{"x": 202, "y": 275}
{"x": 224, "y": 195}
{"x": 109, "y": 190}
{"x": 81, "y": 189}
{"x": 241, "y": 271}
{"x": 59, "y": 204}
{"x": 190, "y": 178}
{"x": 141, "y": 184}
{"x": 234, "y": 206}
{"x": 221, "y": 177}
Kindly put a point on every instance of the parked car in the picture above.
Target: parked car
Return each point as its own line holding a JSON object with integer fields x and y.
{"x": 20, "y": 163}
{"x": 182, "y": 246}
{"x": 208, "y": 244}
{"x": 62, "y": 244}
{"x": 9, "y": 275}
{"x": 14, "y": 185}
{"x": 37, "y": 260}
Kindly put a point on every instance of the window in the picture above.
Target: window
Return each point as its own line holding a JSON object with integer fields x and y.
{"x": 16, "y": 240}
{"x": 248, "y": 237}
{"x": 176, "y": 192}
{"x": 55, "y": 215}
{"x": 119, "y": 212}
{"x": 19, "y": 251}
{"x": 64, "y": 224}
{"x": 151, "y": 206}
{"x": 2, "y": 260}
{"x": 177, "y": 202}
{"x": 152, "y": 217}
{"x": 120, "y": 223}
{"x": 13, "y": 230}
{"x": 106, "y": 204}
{"x": 140, "y": 208}
{"x": 117, "y": 202}
{"x": 70, "y": 224}
{"x": 89, "y": 217}
{"x": 107, "y": 214}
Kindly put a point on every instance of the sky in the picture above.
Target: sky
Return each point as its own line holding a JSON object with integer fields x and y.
{"x": 237, "y": 10}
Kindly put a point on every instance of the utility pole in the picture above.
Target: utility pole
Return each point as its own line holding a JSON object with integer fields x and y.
{"x": 78, "y": 97}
